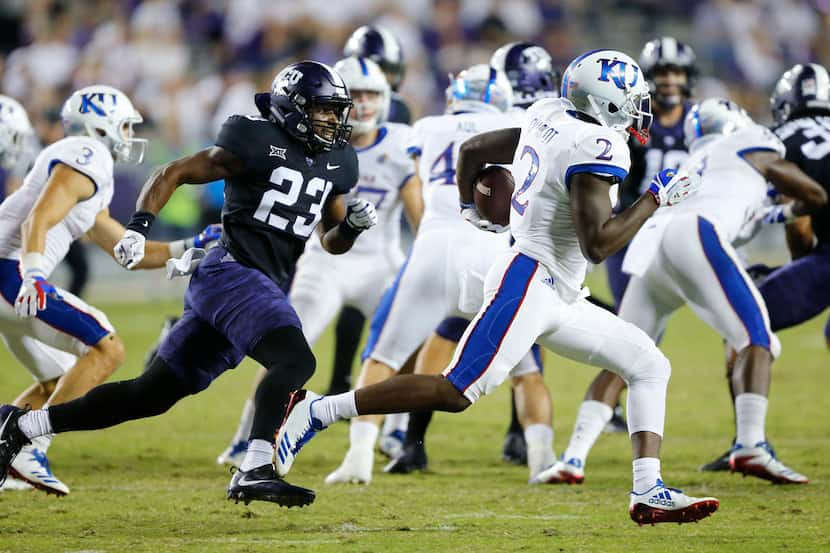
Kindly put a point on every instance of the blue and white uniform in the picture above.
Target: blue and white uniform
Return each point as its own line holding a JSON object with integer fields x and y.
{"x": 68, "y": 324}
{"x": 324, "y": 283}
{"x": 686, "y": 253}
{"x": 535, "y": 293}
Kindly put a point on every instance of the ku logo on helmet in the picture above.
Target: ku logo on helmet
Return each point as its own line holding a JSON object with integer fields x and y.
{"x": 87, "y": 103}
{"x": 616, "y": 69}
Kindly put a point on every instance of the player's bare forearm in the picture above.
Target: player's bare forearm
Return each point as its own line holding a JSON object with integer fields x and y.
{"x": 106, "y": 232}
{"x": 208, "y": 165}
{"x": 413, "y": 201}
{"x": 490, "y": 147}
{"x": 333, "y": 238}
{"x": 600, "y": 232}
{"x": 799, "y": 236}
{"x": 65, "y": 188}
{"x": 336, "y": 241}
{"x": 790, "y": 180}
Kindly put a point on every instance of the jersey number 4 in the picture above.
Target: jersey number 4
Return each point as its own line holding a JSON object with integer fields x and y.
{"x": 291, "y": 183}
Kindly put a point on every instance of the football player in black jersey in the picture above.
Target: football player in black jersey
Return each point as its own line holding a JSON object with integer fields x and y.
{"x": 380, "y": 46}
{"x": 799, "y": 290}
{"x": 283, "y": 172}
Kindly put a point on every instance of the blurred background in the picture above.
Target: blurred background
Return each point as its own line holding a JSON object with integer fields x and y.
{"x": 188, "y": 64}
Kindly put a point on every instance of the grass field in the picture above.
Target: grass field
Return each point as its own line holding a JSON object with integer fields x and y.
{"x": 153, "y": 486}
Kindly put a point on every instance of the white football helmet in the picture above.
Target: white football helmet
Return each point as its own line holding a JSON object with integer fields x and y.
{"x": 479, "y": 88}
{"x": 106, "y": 114}
{"x": 715, "y": 116}
{"x": 15, "y": 131}
{"x": 609, "y": 87}
{"x": 364, "y": 74}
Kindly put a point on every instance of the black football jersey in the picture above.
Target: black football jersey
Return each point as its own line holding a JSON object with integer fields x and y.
{"x": 665, "y": 150}
{"x": 808, "y": 145}
{"x": 274, "y": 205}
{"x": 398, "y": 110}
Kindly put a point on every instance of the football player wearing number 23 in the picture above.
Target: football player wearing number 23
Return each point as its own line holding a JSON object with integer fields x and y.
{"x": 284, "y": 172}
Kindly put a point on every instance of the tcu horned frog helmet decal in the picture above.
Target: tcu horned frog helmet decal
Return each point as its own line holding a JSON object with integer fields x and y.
{"x": 609, "y": 87}
{"x": 295, "y": 93}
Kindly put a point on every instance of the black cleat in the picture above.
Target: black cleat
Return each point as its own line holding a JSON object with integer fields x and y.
{"x": 263, "y": 484}
{"x": 414, "y": 457}
{"x": 514, "y": 449}
{"x": 719, "y": 464}
{"x": 165, "y": 330}
{"x": 617, "y": 422}
{"x": 11, "y": 437}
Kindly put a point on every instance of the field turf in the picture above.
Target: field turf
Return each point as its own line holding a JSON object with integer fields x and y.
{"x": 153, "y": 486}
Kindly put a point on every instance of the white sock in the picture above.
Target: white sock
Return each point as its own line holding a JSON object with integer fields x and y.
{"x": 750, "y": 415}
{"x": 590, "y": 420}
{"x": 260, "y": 452}
{"x": 395, "y": 421}
{"x": 331, "y": 409}
{"x": 539, "y": 439}
{"x": 362, "y": 436}
{"x": 43, "y": 442}
{"x": 246, "y": 422}
{"x": 35, "y": 423}
{"x": 646, "y": 473}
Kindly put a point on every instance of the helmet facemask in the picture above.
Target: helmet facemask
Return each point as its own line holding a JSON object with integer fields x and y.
{"x": 368, "y": 112}
{"x": 632, "y": 117}
{"x": 12, "y": 146}
{"x": 328, "y": 133}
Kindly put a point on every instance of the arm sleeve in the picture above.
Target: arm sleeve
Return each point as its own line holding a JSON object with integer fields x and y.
{"x": 235, "y": 136}
{"x": 88, "y": 157}
{"x": 348, "y": 177}
{"x": 600, "y": 153}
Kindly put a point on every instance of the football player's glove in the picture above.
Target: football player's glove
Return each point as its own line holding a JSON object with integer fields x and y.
{"x": 472, "y": 216}
{"x": 32, "y": 295}
{"x": 129, "y": 251}
{"x": 778, "y": 214}
{"x": 670, "y": 187}
{"x": 360, "y": 214}
{"x": 211, "y": 233}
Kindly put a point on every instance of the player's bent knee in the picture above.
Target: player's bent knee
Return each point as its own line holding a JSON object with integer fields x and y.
{"x": 453, "y": 401}
{"x": 286, "y": 352}
{"x": 653, "y": 367}
{"x": 112, "y": 352}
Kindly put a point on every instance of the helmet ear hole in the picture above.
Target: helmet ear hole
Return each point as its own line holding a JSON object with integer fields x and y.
{"x": 612, "y": 108}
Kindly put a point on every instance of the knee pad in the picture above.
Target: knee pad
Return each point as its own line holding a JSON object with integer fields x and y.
{"x": 653, "y": 367}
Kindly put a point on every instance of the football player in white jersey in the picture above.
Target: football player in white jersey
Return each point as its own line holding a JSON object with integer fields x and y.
{"x": 17, "y": 138}
{"x": 67, "y": 345}
{"x": 569, "y": 156}
{"x": 325, "y": 283}
{"x": 669, "y": 270}
{"x": 446, "y": 253}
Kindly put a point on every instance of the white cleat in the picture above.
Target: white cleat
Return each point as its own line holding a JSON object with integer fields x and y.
{"x": 297, "y": 429}
{"x": 662, "y": 504}
{"x": 761, "y": 461}
{"x": 233, "y": 454}
{"x": 32, "y": 466}
{"x": 391, "y": 444}
{"x": 13, "y": 484}
{"x": 356, "y": 468}
{"x": 570, "y": 472}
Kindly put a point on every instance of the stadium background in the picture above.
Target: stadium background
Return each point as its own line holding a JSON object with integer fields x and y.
{"x": 187, "y": 65}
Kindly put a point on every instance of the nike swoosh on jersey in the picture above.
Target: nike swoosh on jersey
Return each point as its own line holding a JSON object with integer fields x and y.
{"x": 329, "y": 166}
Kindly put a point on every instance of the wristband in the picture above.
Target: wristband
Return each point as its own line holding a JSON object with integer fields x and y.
{"x": 654, "y": 195}
{"x": 32, "y": 262}
{"x": 347, "y": 230}
{"x": 141, "y": 221}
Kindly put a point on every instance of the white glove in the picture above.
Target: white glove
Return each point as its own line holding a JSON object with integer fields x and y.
{"x": 129, "y": 251}
{"x": 670, "y": 187}
{"x": 360, "y": 214}
{"x": 472, "y": 216}
{"x": 31, "y": 297}
{"x": 186, "y": 264}
{"x": 778, "y": 214}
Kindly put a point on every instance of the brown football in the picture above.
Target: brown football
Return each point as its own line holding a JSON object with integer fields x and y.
{"x": 493, "y": 189}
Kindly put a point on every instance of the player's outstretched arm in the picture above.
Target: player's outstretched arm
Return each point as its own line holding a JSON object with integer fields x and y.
{"x": 208, "y": 165}
{"x": 601, "y": 233}
{"x": 490, "y": 147}
{"x": 343, "y": 222}
{"x": 790, "y": 180}
{"x": 106, "y": 232}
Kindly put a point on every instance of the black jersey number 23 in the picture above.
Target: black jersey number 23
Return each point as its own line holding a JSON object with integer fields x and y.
{"x": 291, "y": 182}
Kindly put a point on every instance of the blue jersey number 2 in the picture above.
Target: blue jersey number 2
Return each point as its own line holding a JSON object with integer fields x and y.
{"x": 518, "y": 205}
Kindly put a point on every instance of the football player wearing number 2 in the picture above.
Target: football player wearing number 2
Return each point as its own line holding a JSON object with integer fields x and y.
{"x": 570, "y": 154}
{"x": 284, "y": 172}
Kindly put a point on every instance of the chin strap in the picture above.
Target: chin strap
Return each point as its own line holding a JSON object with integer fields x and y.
{"x": 641, "y": 136}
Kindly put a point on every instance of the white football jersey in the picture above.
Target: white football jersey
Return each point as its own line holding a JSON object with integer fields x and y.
{"x": 384, "y": 167}
{"x": 554, "y": 146}
{"x": 731, "y": 189}
{"x": 85, "y": 155}
{"x": 437, "y": 139}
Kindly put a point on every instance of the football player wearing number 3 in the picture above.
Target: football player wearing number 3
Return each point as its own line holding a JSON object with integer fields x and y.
{"x": 284, "y": 172}
{"x": 67, "y": 345}
{"x": 575, "y": 148}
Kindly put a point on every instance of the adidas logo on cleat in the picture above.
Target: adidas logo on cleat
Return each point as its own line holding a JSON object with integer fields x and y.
{"x": 662, "y": 499}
